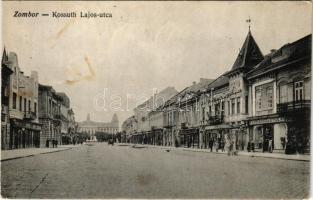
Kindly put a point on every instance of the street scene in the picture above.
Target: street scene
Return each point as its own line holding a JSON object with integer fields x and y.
{"x": 124, "y": 171}
{"x": 175, "y": 100}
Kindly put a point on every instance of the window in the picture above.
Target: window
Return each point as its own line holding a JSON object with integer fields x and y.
{"x": 217, "y": 109}
{"x": 238, "y": 104}
{"x": 25, "y": 104}
{"x": 247, "y": 104}
{"x": 228, "y": 107}
{"x": 29, "y": 106}
{"x": 269, "y": 97}
{"x": 210, "y": 110}
{"x": 203, "y": 114}
{"x": 21, "y": 102}
{"x": 298, "y": 93}
{"x": 233, "y": 106}
{"x": 223, "y": 108}
{"x": 264, "y": 98}
{"x": 283, "y": 96}
{"x": 14, "y": 100}
{"x": 35, "y": 107}
{"x": 258, "y": 102}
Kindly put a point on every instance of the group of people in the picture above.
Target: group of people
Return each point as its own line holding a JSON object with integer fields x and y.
{"x": 218, "y": 143}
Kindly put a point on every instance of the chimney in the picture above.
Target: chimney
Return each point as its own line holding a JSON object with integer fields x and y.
{"x": 194, "y": 83}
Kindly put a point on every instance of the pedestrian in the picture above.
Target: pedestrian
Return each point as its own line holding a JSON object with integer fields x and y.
{"x": 231, "y": 148}
{"x": 53, "y": 144}
{"x": 270, "y": 146}
{"x": 222, "y": 145}
{"x": 211, "y": 144}
{"x": 216, "y": 145}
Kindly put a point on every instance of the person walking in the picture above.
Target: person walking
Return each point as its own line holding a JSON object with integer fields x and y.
{"x": 216, "y": 145}
{"x": 270, "y": 146}
{"x": 211, "y": 144}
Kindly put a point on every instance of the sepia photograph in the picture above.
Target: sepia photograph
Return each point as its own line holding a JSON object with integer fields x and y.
{"x": 156, "y": 99}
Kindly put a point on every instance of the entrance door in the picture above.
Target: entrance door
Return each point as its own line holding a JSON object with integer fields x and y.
{"x": 268, "y": 134}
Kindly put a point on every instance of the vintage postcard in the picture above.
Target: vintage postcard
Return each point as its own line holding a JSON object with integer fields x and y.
{"x": 156, "y": 99}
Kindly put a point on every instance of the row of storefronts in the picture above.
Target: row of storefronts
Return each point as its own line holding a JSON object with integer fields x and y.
{"x": 262, "y": 104}
{"x": 25, "y": 110}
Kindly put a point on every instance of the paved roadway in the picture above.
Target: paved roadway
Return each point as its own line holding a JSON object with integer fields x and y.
{"x": 103, "y": 171}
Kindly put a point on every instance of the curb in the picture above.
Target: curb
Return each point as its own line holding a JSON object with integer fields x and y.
{"x": 260, "y": 156}
{"x": 7, "y": 159}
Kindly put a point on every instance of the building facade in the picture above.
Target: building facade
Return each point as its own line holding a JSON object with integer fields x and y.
{"x": 91, "y": 127}
{"x": 6, "y": 72}
{"x": 261, "y": 104}
{"x": 280, "y": 88}
{"x": 22, "y": 96}
{"x": 50, "y": 116}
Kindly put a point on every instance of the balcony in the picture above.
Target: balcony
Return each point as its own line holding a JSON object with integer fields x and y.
{"x": 214, "y": 120}
{"x": 30, "y": 115}
{"x": 294, "y": 108}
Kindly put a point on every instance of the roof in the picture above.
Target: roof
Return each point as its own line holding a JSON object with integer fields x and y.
{"x": 190, "y": 91}
{"x": 219, "y": 82}
{"x": 249, "y": 55}
{"x": 160, "y": 97}
{"x": 286, "y": 54}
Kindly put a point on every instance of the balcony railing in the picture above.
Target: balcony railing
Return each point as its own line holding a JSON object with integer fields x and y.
{"x": 214, "y": 120}
{"x": 294, "y": 107}
{"x": 30, "y": 115}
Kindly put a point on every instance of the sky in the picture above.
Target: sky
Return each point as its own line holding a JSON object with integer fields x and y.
{"x": 110, "y": 65}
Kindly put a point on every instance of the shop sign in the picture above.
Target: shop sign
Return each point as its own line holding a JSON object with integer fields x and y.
{"x": 266, "y": 121}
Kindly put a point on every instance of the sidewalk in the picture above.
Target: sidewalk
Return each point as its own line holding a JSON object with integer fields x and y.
{"x": 27, "y": 152}
{"x": 240, "y": 153}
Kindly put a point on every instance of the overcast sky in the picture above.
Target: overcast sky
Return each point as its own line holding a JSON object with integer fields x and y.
{"x": 145, "y": 45}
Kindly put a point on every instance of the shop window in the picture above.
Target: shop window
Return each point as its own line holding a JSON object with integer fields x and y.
{"x": 238, "y": 105}
{"x": 14, "y": 100}
{"x": 298, "y": 91}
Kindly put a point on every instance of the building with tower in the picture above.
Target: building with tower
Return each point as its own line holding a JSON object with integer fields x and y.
{"x": 91, "y": 127}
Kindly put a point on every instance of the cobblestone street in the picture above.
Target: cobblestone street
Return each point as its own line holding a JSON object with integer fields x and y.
{"x": 103, "y": 171}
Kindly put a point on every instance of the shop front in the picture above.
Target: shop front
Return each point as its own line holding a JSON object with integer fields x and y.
{"x": 189, "y": 138}
{"x": 158, "y": 135}
{"x": 215, "y": 136}
{"x": 267, "y": 134}
{"x": 24, "y": 134}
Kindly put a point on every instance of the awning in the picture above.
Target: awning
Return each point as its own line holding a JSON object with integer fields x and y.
{"x": 188, "y": 131}
{"x": 25, "y": 124}
{"x": 221, "y": 126}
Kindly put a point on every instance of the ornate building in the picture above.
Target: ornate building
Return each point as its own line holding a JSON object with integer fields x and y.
{"x": 91, "y": 127}
{"x": 22, "y": 101}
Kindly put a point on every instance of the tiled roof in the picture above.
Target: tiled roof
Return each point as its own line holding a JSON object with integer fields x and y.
{"x": 287, "y": 53}
{"x": 249, "y": 55}
{"x": 219, "y": 82}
